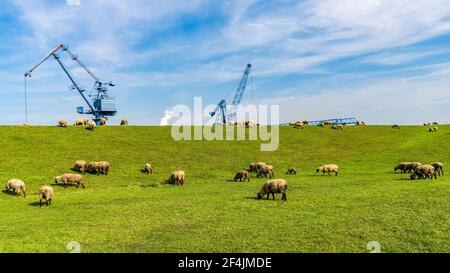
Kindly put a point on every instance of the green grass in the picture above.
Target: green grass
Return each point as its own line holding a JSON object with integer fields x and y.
{"x": 128, "y": 211}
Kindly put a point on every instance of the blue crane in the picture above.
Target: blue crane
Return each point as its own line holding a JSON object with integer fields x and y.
{"x": 224, "y": 114}
{"x": 100, "y": 104}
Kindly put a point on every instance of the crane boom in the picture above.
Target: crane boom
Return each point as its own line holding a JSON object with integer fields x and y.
{"x": 52, "y": 53}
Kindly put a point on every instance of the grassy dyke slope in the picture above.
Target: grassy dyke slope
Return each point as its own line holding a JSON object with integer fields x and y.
{"x": 128, "y": 211}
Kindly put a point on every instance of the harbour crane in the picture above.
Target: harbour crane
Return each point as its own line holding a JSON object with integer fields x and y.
{"x": 100, "y": 104}
{"x": 226, "y": 114}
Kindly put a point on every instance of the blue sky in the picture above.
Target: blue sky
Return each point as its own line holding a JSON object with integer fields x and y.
{"x": 377, "y": 60}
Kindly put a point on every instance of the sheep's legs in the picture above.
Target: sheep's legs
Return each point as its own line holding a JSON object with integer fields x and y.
{"x": 268, "y": 196}
{"x": 273, "y": 196}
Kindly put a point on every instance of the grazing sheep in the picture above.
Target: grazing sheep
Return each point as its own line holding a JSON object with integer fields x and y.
{"x": 330, "y": 168}
{"x": 327, "y": 123}
{"x": 360, "y": 123}
{"x": 70, "y": 178}
{"x": 79, "y": 122}
{"x": 424, "y": 172}
{"x": 62, "y": 123}
{"x": 46, "y": 193}
{"x": 435, "y": 129}
{"x": 411, "y": 166}
{"x": 148, "y": 168}
{"x": 17, "y": 186}
{"x": 272, "y": 187}
{"x": 291, "y": 170}
{"x": 395, "y": 126}
{"x": 439, "y": 167}
{"x": 177, "y": 178}
{"x": 243, "y": 174}
{"x": 266, "y": 171}
{"x": 337, "y": 127}
{"x": 321, "y": 125}
{"x": 91, "y": 125}
{"x": 254, "y": 167}
{"x": 435, "y": 123}
{"x": 250, "y": 123}
{"x": 402, "y": 167}
{"x": 299, "y": 125}
{"x": 80, "y": 166}
{"x": 103, "y": 122}
{"x": 104, "y": 167}
{"x": 305, "y": 122}
{"x": 124, "y": 122}
{"x": 94, "y": 167}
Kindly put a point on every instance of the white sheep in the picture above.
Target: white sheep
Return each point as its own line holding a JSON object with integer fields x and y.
{"x": 17, "y": 186}
{"x": 330, "y": 168}
{"x": 272, "y": 187}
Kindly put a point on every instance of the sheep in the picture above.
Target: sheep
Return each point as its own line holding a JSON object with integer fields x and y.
{"x": 62, "y": 123}
{"x": 291, "y": 170}
{"x": 266, "y": 170}
{"x": 411, "y": 166}
{"x": 439, "y": 167}
{"x": 177, "y": 178}
{"x": 250, "y": 123}
{"x": 424, "y": 171}
{"x": 103, "y": 122}
{"x": 435, "y": 123}
{"x": 402, "y": 167}
{"x": 17, "y": 186}
{"x": 272, "y": 187}
{"x": 330, "y": 168}
{"x": 337, "y": 127}
{"x": 148, "y": 168}
{"x": 395, "y": 126}
{"x": 46, "y": 193}
{"x": 360, "y": 123}
{"x": 79, "y": 122}
{"x": 124, "y": 122}
{"x": 104, "y": 167}
{"x": 80, "y": 166}
{"x": 70, "y": 178}
{"x": 299, "y": 125}
{"x": 254, "y": 167}
{"x": 94, "y": 167}
{"x": 91, "y": 125}
{"x": 327, "y": 123}
{"x": 243, "y": 174}
{"x": 305, "y": 122}
{"x": 321, "y": 125}
{"x": 434, "y": 129}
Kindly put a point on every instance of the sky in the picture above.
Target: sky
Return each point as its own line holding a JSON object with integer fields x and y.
{"x": 381, "y": 61}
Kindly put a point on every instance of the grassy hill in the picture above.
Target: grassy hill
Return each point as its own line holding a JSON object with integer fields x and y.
{"x": 128, "y": 211}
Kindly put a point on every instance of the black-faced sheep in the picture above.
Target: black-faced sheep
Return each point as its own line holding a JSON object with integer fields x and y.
{"x": 291, "y": 170}
{"x": 266, "y": 171}
{"x": 272, "y": 187}
{"x": 439, "y": 167}
{"x": 70, "y": 178}
{"x": 148, "y": 168}
{"x": 395, "y": 126}
{"x": 124, "y": 122}
{"x": 243, "y": 174}
{"x": 177, "y": 178}
{"x": 299, "y": 125}
{"x": 103, "y": 122}
{"x": 431, "y": 130}
{"x": 17, "y": 186}
{"x": 337, "y": 127}
{"x": 329, "y": 168}
{"x": 80, "y": 166}
{"x": 46, "y": 193}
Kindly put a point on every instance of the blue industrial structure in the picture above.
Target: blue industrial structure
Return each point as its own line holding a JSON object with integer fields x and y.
{"x": 101, "y": 105}
{"x": 226, "y": 114}
{"x": 342, "y": 121}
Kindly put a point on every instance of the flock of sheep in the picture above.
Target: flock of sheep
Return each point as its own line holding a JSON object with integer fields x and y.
{"x": 421, "y": 171}
{"x": 303, "y": 124}
{"x": 260, "y": 169}
{"x": 89, "y": 124}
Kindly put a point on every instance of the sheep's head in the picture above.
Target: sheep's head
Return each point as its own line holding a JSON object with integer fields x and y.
{"x": 58, "y": 179}
{"x": 319, "y": 169}
{"x": 413, "y": 176}
{"x": 259, "y": 195}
